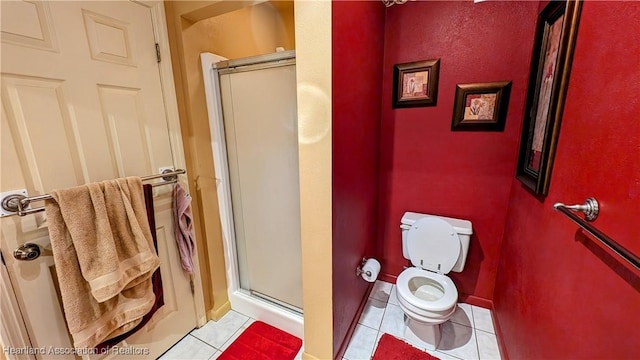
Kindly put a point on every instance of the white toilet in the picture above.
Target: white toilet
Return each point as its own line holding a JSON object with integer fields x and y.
{"x": 435, "y": 245}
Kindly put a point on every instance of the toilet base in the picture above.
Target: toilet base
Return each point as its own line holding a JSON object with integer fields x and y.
{"x": 422, "y": 334}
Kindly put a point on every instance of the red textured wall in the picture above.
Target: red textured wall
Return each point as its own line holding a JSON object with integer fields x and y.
{"x": 559, "y": 294}
{"x": 357, "y": 47}
{"x": 425, "y": 167}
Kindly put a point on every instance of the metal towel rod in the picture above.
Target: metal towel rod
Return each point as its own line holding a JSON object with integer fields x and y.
{"x": 591, "y": 208}
{"x": 18, "y": 203}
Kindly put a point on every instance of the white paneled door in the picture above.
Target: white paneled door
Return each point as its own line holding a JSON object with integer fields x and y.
{"x": 83, "y": 101}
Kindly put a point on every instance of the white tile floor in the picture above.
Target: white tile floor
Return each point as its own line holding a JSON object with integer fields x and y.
{"x": 469, "y": 334}
{"x": 209, "y": 341}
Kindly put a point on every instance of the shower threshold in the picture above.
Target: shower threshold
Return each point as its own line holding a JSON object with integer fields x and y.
{"x": 276, "y": 302}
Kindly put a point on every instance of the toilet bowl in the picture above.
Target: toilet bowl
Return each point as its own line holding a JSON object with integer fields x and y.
{"x": 426, "y": 296}
{"x": 435, "y": 245}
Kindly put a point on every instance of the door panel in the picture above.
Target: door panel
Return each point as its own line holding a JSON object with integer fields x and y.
{"x": 28, "y": 23}
{"x": 42, "y": 129}
{"x": 82, "y": 102}
{"x": 12, "y": 328}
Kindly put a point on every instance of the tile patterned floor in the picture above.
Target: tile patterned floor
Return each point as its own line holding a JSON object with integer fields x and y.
{"x": 469, "y": 334}
{"x": 209, "y": 341}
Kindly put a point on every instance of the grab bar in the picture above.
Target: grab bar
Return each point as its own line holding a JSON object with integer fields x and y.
{"x": 16, "y": 204}
{"x": 591, "y": 208}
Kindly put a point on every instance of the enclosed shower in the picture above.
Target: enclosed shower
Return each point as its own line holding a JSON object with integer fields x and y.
{"x": 253, "y": 121}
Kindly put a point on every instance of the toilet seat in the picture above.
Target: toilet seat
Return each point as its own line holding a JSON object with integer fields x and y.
{"x": 433, "y": 244}
{"x": 406, "y": 288}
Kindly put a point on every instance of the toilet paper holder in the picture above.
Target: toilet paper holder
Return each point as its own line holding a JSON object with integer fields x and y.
{"x": 359, "y": 268}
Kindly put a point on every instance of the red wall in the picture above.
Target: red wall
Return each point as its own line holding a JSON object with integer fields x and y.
{"x": 357, "y": 29}
{"x": 560, "y": 294}
{"x": 425, "y": 167}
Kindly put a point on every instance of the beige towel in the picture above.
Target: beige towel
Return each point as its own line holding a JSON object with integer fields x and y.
{"x": 104, "y": 257}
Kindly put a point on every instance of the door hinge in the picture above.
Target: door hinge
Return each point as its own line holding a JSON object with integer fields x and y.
{"x": 158, "y": 52}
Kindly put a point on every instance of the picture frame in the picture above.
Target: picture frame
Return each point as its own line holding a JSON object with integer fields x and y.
{"x": 481, "y": 106}
{"x": 550, "y": 68}
{"x": 416, "y": 83}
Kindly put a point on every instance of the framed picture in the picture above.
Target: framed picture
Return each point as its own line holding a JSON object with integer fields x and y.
{"x": 553, "y": 50}
{"x": 481, "y": 106}
{"x": 416, "y": 83}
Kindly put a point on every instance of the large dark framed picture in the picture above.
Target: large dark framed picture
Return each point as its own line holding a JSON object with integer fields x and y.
{"x": 481, "y": 106}
{"x": 550, "y": 67}
{"x": 416, "y": 83}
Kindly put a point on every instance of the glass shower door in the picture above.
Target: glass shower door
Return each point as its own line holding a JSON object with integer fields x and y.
{"x": 259, "y": 110}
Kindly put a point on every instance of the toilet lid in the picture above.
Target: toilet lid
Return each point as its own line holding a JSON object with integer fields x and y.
{"x": 433, "y": 245}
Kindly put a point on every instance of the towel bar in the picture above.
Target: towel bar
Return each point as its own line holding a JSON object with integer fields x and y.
{"x": 16, "y": 204}
{"x": 590, "y": 208}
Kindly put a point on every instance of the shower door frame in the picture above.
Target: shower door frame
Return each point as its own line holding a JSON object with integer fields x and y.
{"x": 241, "y": 300}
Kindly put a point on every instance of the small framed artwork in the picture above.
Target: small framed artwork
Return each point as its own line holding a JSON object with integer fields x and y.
{"x": 416, "y": 83}
{"x": 481, "y": 106}
{"x": 553, "y": 49}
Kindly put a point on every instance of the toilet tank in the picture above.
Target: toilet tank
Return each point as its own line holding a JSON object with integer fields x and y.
{"x": 462, "y": 227}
